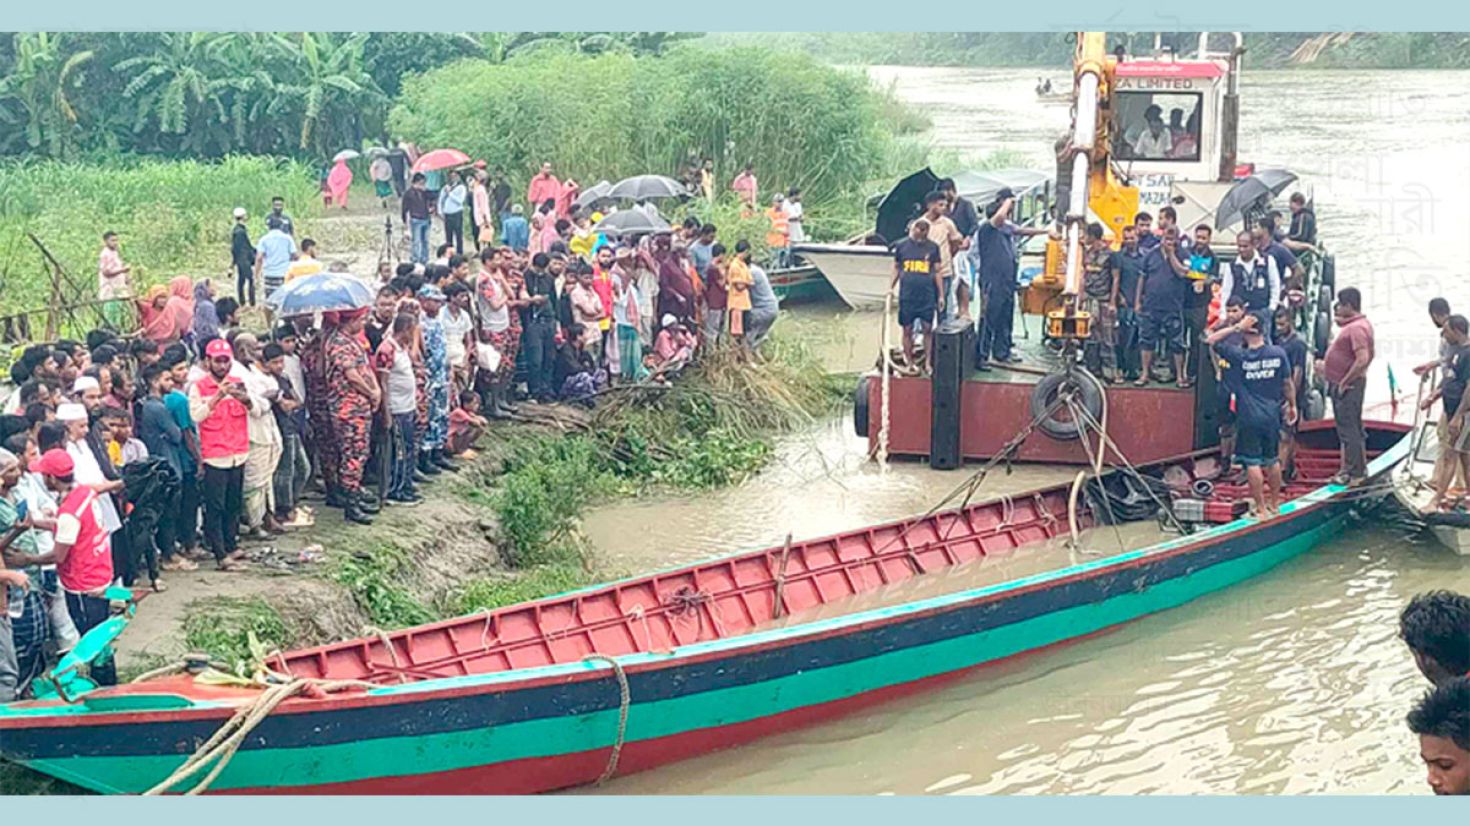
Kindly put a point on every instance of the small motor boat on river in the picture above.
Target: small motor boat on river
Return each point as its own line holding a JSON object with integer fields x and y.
{"x": 617, "y": 678}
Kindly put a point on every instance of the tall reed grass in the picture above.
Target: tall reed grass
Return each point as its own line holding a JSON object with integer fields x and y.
{"x": 172, "y": 217}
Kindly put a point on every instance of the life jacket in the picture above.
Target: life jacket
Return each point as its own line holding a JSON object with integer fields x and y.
{"x": 226, "y": 431}
{"x": 780, "y": 233}
{"x": 1253, "y": 285}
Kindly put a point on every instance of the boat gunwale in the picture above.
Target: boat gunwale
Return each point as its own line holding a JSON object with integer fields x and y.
{"x": 755, "y": 641}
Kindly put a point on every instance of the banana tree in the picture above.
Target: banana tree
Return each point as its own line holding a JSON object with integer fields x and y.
{"x": 326, "y": 85}
{"x": 184, "y": 87}
{"x": 34, "y": 107}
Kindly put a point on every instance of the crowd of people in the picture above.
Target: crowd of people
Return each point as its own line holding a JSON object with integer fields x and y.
{"x": 1140, "y": 293}
{"x": 126, "y": 456}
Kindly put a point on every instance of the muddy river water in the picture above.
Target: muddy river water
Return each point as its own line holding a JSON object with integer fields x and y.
{"x": 1291, "y": 683}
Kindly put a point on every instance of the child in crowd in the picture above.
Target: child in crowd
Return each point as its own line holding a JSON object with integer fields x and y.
{"x": 465, "y": 426}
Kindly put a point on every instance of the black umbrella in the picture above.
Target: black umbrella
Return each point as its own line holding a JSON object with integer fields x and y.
{"x": 631, "y": 222}
{"x": 593, "y": 194}
{"x": 903, "y": 203}
{"x": 1252, "y": 195}
{"x": 643, "y": 187}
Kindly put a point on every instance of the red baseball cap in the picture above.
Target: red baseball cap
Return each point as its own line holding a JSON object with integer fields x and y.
{"x": 54, "y": 462}
{"x": 218, "y": 347}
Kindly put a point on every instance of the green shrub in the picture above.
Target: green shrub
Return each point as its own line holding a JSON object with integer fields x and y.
{"x": 532, "y": 583}
{"x": 221, "y": 627}
{"x": 609, "y": 116}
{"x": 374, "y": 576}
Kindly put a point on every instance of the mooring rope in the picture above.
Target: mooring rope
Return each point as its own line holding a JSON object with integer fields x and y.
{"x": 625, "y": 699}
{"x": 220, "y": 748}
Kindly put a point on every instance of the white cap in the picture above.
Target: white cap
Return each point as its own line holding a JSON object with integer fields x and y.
{"x": 85, "y": 383}
{"x": 668, "y": 320}
{"x": 239, "y": 212}
{"x": 71, "y": 413}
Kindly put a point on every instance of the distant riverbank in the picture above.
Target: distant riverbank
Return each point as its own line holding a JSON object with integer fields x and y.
{"x": 1272, "y": 50}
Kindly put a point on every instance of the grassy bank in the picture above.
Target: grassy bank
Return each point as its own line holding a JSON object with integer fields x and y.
{"x": 172, "y": 217}
{"x": 714, "y": 428}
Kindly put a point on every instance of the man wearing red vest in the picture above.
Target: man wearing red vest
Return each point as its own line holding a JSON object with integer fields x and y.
{"x": 220, "y": 405}
{"x": 82, "y": 552}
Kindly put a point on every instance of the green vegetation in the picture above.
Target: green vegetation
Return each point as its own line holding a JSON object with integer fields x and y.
{"x": 527, "y": 584}
{"x": 208, "y": 94}
{"x": 221, "y": 627}
{"x": 374, "y": 576}
{"x": 713, "y": 427}
{"x": 612, "y": 115}
{"x": 172, "y": 217}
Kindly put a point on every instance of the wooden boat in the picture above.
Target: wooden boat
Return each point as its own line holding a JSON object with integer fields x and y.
{"x": 627, "y": 676}
{"x": 799, "y": 284}
{"x": 1413, "y": 488}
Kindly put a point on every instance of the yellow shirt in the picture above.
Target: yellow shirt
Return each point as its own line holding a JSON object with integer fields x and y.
{"x": 303, "y": 266}
{"x": 738, "y": 273}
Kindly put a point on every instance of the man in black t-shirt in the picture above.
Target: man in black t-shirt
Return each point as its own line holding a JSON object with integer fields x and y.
{"x": 1296, "y": 353}
{"x": 1262, "y": 378}
{"x": 916, "y": 275}
{"x": 1456, "y": 333}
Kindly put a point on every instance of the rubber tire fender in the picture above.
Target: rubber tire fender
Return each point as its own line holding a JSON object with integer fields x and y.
{"x": 1328, "y": 275}
{"x": 1321, "y": 333}
{"x": 860, "y": 416}
{"x": 1090, "y": 396}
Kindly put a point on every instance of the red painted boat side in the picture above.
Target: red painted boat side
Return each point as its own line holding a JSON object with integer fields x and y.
{"x": 565, "y": 771}
{"x": 993, "y": 411}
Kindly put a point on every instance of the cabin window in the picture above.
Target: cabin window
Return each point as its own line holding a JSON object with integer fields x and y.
{"x": 1157, "y": 126}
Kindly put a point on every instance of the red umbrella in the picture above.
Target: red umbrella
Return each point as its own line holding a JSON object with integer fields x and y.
{"x": 440, "y": 159}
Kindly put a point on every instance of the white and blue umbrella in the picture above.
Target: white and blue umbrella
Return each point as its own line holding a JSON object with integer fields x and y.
{"x": 321, "y": 293}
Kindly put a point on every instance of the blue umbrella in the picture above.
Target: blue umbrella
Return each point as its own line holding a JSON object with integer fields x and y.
{"x": 322, "y": 292}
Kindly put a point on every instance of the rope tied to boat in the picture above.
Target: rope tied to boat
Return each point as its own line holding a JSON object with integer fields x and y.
{"x": 625, "y": 700}
{"x": 387, "y": 641}
{"x": 780, "y": 596}
{"x": 222, "y": 746}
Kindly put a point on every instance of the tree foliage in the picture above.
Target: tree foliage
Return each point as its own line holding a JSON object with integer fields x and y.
{"x": 208, "y": 94}
{"x": 613, "y": 114}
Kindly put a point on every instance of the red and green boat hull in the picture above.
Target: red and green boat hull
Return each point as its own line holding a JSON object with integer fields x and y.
{"x": 554, "y": 727}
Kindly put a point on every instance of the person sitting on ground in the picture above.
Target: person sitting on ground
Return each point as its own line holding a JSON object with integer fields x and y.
{"x": 576, "y": 372}
{"x": 1263, "y": 384}
{"x": 1442, "y": 721}
{"x": 465, "y": 426}
{"x": 916, "y": 274}
{"x": 673, "y": 348}
{"x": 1435, "y": 625}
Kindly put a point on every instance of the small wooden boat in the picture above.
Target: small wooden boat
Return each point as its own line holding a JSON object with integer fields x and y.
{"x": 627, "y": 676}
{"x": 1414, "y": 490}
{"x": 800, "y": 284}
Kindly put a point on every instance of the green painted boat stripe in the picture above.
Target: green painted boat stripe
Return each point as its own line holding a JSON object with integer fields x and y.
{"x": 283, "y": 768}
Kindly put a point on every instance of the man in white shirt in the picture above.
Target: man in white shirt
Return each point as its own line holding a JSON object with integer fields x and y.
{"x": 451, "y": 210}
{"x": 1154, "y": 141}
{"x": 793, "y": 210}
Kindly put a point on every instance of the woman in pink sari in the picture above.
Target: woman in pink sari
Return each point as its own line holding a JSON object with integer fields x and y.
{"x": 180, "y": 305}
{"x": 158, "y": 325}
{"x": 338, "y": 182}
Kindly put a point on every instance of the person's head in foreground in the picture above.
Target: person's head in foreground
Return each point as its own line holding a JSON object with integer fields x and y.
{"x": 1436, "y": 627}
{"x": 1442, "y": 721}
